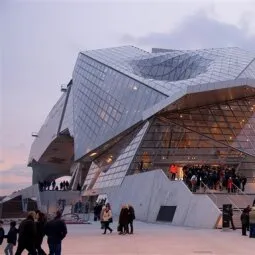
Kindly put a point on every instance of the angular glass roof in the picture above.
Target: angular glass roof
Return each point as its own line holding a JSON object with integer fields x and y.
{"x": 173, "y": 71}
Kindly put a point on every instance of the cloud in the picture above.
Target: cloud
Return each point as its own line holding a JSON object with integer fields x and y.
{"x": 17, "y": 170}
{"x": 199, "y": 31}
{"x": 15, "y": 178}
{"x": 12, "y": 156}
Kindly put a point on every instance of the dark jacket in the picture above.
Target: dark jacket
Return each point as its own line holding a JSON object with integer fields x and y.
{"x": 27, "y": 231}
{"x": 55, "y": 230}
{"x": 123, "y": 218}
{"x": 12, "y": 235}
{"x": 1, "y": 235}
{"x": 40, "y": 227}
{"x": 245, "y": 218}
{"x": 131, "y": 213}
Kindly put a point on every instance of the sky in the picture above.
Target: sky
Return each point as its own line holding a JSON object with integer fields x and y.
{"x": 40, "y": 41}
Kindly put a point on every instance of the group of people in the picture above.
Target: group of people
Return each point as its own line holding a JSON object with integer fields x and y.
{"x": 103, "y": 212}
{"x": 51, "y": 185}
{"x": 31, "y": 232}
{"x": 126, "y": 218}
{"x": 217, "y": 178}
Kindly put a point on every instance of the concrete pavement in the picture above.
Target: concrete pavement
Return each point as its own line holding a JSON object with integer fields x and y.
{"x": 153, "y": 239}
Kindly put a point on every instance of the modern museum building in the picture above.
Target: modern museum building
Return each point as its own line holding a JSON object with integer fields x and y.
{"x": 127, "y": 115}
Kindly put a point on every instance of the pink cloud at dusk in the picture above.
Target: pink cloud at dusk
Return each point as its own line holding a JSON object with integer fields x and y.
{"x": 14, "y": 173}
{"x": 13, "y": 156}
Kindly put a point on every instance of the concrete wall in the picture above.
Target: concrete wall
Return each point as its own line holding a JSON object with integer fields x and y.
{"x": 30, "y": 192}
{"x": 49, "y": 199}
{"x": 148, "y": 191}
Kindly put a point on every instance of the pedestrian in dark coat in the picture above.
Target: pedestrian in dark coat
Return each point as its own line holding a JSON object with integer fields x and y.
{"x": 231, "y": 219}
{"x": 40, "y": 225}
{"x": 27, "y": 234}
{"x": 245, "y": 221}
{"x": 11, "y": 238}
{"x": 123, "y": 220}
{"x": 131, "y": 218}
{"x": 56, "y": 231}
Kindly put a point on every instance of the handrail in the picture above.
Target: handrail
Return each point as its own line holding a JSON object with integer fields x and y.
{"x": 240, "y": 191}
{"x": 207, "y": 188}
{"x": 252, "y": 178}
{"x": 234, "y": 205}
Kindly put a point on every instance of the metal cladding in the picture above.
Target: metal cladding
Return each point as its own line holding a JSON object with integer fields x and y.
{"x": 118, "y": 94}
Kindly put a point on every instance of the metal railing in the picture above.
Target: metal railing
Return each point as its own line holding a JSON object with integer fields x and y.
{"x": 240, "y": 191}
{"x": 207, "y": 189}
{"x": 234, "y": 204}
{"x": 250, "y": 179}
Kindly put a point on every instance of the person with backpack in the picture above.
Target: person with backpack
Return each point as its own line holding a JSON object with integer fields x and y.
{"x": 11, "y": 238}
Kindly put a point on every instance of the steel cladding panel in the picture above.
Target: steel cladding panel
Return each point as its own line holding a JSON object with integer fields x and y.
{"x": 106, "y": 102}
{"x": 48, "y": 131}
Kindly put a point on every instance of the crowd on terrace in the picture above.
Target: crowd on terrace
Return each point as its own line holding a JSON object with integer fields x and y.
{"x": 211, "y": 177}
{"x": 51, "y": 185}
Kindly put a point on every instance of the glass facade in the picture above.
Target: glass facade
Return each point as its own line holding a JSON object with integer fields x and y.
{"x": 231, "y": 123}
{"x": 124, "y": 105}
{"x": 187, "y": 67}
{"x": 106, "y": 103}
{"x": 67, "y": 123}
{"x": 213, "y": 134}
{"x": 48, "y": 131}
{"x": 111, "y": 167}
{"x": 249, "y": 71}
{"x": 178, "y": 66}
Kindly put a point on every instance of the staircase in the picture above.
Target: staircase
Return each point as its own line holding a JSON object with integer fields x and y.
{"x": 239, "y": 201}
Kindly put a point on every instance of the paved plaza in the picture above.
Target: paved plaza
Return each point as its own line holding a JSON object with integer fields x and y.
{"x": 153, "y": 239}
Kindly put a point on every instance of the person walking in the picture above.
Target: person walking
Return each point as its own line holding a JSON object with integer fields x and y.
{"x": 131, "y": 218}
{"x": 56, "y": 231}
{"x": 40, "y": 225}
{"x": 173, "y": 171}
{"x": 243, "y": 181}
{"x": 245, "y": 221}
{"x": 107, "y": 219}
{"x": 252, "y": 222}
{"x": 11, "y": 238}
{"x": 230, "y": 185}
{"x": 193, "y": 181}
{"x": 231, "y": 219}
{"x": 101, "y": 216}
{"x": 27, "y": 233}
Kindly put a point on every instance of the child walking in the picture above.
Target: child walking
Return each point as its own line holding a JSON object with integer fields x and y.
{"x": 11, "y": 238}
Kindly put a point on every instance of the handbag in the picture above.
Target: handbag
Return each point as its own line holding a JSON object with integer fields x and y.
{"x": 110, "y": 220}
